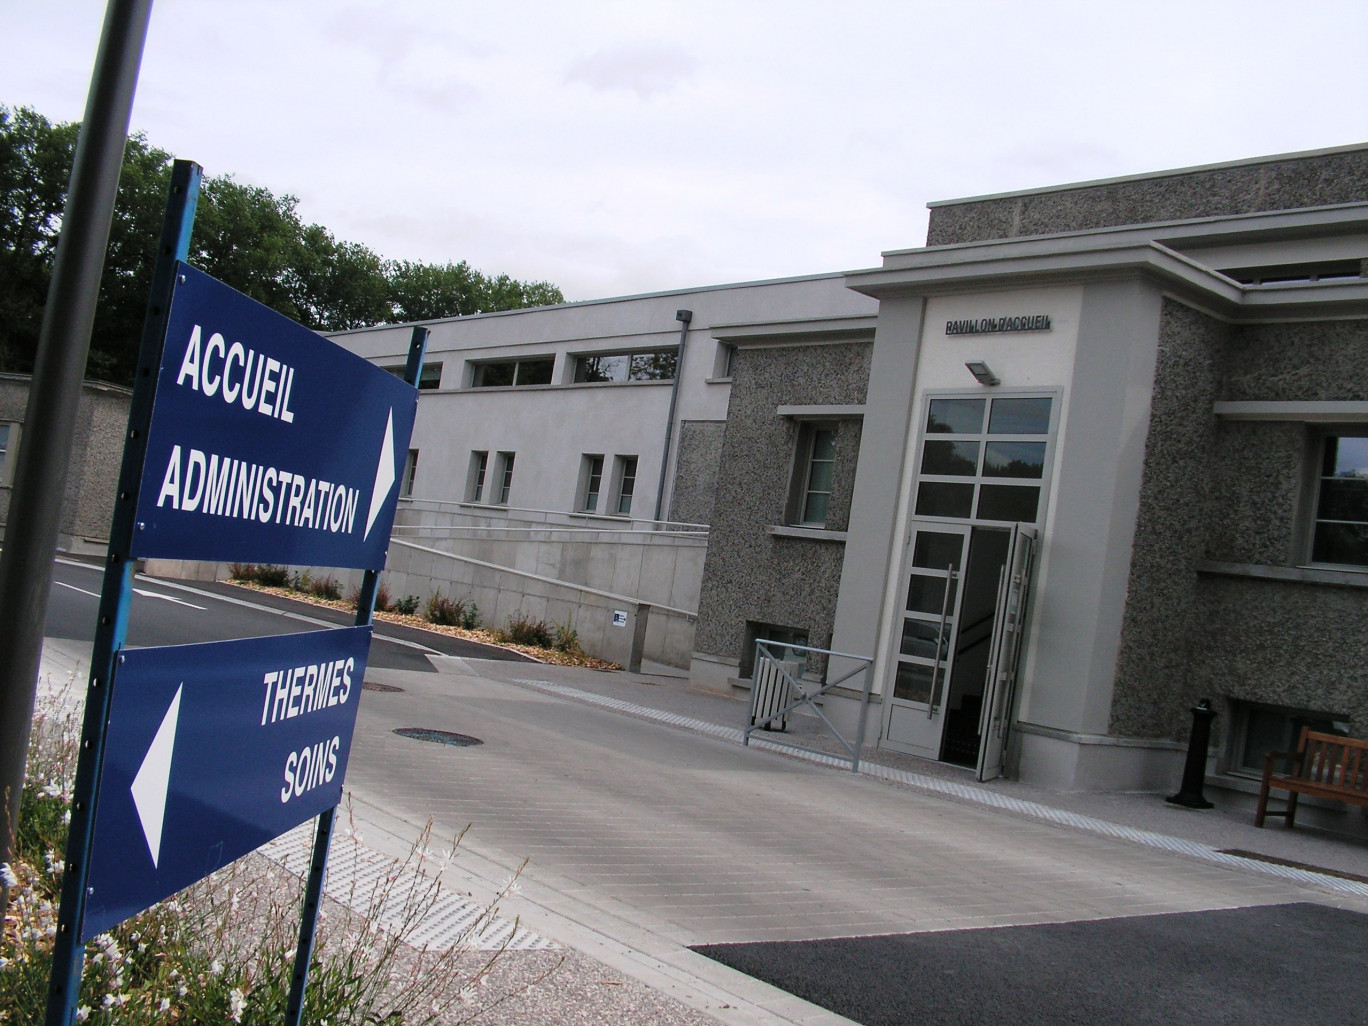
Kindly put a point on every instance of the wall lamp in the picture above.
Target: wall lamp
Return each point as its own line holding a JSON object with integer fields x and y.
{"x": 982, "y": 373}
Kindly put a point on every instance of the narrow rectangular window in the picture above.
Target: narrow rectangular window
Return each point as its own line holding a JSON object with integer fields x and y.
{"x": 591, "y": 482}
{"x": 1340, "y": 533}
{"x": 410, "y": 469}
{"x": 475, "y": 480}
{"x": 504, "y": 483}
{"x": 626, "y": 484}
{"x": 4, "y": 453}
{"x": 821, "y": 464}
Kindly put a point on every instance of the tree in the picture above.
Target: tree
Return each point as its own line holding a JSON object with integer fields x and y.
{"x": 246, "y": 236}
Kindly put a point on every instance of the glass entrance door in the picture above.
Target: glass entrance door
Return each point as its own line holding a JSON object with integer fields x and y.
{"x": 1009, "y": 625}
{"x": 915, "y": 711}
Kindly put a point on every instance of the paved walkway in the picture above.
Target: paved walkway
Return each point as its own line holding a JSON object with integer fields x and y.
{"x": 647, "y": 828}
{"x": 644, "y": 837}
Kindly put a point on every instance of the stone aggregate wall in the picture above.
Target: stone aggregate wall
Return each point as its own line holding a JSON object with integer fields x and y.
{"x": 1282, "y": 643}
{"x": 1149, "y": 696}
{"x": 1315, "y": 361}
{"x": 1286, "y": 184}
{"x": 695, "y": 478}
{"x": 750, "y": 574}
{"x": 96, "y": 454}
{"x": 1254, "y": 491}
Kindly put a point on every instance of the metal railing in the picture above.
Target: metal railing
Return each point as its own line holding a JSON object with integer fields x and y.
{"x": 778, "y": 689}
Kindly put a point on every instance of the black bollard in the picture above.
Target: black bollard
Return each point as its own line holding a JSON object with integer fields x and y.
{"x": 1194, "y": 770}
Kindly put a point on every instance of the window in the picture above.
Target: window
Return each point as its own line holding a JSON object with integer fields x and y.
{"x": 8, "y": 435}
{"x": 503, "y": 478}
{"x": 475, "y": 478}
{"x": 1340, "y": 532}
{"x": 624, "y": 475}
{"x": 724, "y": 363}
{"x": 431, "y": 377}
{"x": 591, "y": 482}
{"x": 535, "y": 370}
{"x": 1258, "y": 729}
{"x": 817, "y": 464}
{"x": 756, "y": 631}
{"x": 984, "y": 459}
{"x": 410, "y": 468}
{"x": 656, "y": 365}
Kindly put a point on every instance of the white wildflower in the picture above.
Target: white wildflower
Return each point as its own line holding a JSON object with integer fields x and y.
{"x": 83, "y": 1013}
{"x": 237, "y": 1004}
{"x": 7, "y": 878}
{"x": 215, "y": 967}
{"x": 164, "y": 1005}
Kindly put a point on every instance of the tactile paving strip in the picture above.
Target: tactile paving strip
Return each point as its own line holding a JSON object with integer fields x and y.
{"x": 358, "y": 877}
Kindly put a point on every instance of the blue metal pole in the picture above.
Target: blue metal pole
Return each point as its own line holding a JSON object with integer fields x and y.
{"x": 112, "y": 622}
{"x": 318, "y": 864}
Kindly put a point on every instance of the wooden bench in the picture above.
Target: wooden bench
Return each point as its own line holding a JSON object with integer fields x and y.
{"x": 1324, "y": 765}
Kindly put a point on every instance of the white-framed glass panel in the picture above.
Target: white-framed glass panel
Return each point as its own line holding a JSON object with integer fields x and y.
{"x": 533, "y": 370}
{"x": 652, "y": 365}
{"x": 430, "y": 378}
{"x": 1257, "y": 729}
{"x": 1339, "y": 535}
{"x": 591, "y": 482}
{"x": 984, "y": 458}
{"x": 410, "y": 470}
{"x": 503, "y": 478}
{"x": 626, "y": 484}
{"x": 475, "y": 479}
{"x": 821, "y": 464}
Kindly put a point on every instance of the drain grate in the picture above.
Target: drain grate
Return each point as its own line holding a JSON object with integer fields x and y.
{"x": 370, "y": 685}
{"x": 441, "y": 737}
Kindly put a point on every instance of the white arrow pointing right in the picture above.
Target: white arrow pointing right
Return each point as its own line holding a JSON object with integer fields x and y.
{"x": 154, "y": 778}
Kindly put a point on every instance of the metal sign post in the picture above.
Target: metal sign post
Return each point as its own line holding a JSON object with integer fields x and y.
{"x": 318, "y": 864}
{"x": 111, "y": 625}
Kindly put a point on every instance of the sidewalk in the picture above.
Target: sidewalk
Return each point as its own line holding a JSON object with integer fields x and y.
{"x": 666, "y": 696}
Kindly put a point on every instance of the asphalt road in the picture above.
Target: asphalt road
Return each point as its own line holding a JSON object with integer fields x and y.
{"x": 166, "y": 613}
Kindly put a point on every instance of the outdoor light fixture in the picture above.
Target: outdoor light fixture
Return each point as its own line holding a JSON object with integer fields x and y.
{"x": 982, "y": 374}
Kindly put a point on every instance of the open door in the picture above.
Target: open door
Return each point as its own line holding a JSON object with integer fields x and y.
{"x": 1008, "y": 627}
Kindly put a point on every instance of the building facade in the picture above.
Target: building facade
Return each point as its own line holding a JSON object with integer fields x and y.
{"x": 1093, "y": 453}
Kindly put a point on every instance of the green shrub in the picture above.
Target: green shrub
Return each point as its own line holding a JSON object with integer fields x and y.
{"x": 328, "y": 588}
{"x": 408, "y": 605}
{"x": 272, "y": 576}
{"x": 567, "y": 639}
{"x": 445, "y": 611}
{"x": 471, "y": 618}
{"x": 524, "y": 630}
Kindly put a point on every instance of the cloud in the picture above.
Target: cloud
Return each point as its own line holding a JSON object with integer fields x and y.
{"x": 644, "y": 69}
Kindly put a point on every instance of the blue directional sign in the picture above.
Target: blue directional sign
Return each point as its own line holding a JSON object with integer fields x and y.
{"x": 268, "y": 442}
{"x": 212, "y": 750}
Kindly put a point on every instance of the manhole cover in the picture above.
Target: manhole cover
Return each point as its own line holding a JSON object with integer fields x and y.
{"x": 441, "y": 737}
{"x": 370, "y": 685}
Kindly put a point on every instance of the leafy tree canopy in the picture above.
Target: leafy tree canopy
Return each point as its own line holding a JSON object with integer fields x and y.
{"x": 244, "y": 235}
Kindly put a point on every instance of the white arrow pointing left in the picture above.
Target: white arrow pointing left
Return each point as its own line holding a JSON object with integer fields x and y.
{"x": 154, "y": 778}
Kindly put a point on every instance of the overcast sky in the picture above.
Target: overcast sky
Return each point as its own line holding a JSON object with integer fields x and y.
{"x": 615, "y": 148}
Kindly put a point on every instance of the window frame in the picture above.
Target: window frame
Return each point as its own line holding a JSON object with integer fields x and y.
{"x": 428, "y": 380}
{"x": 410, "y": 471}
{"x": 503, "y": 477}
{"x": 624, "y": 484}
{"x": 1316, "y": 477}
{"x": 9, "y": 447}
{"x": 631, "y": 356}
{"x": 805, "y": 460}
{"x": 590, "y": 486}
{"x": 478, "y": 369}
{"x": 1235, "y": 751}
{"x": 476, "y": 475}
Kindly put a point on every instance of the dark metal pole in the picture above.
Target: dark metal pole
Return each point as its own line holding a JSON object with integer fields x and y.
{"x": 683, "y": 317}
{"x": 55, "y": 392}
{"x": 318, "y": 864}
{"x": 68, "y": 951}
{"x": 1194, "y": 770}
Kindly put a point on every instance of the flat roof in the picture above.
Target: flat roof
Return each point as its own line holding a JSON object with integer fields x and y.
{"x": 1151, "y": 175}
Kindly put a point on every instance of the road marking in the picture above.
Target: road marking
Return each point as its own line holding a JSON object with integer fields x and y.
{"x": 166, "y": 598}
{"x": 63, "y": 584}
